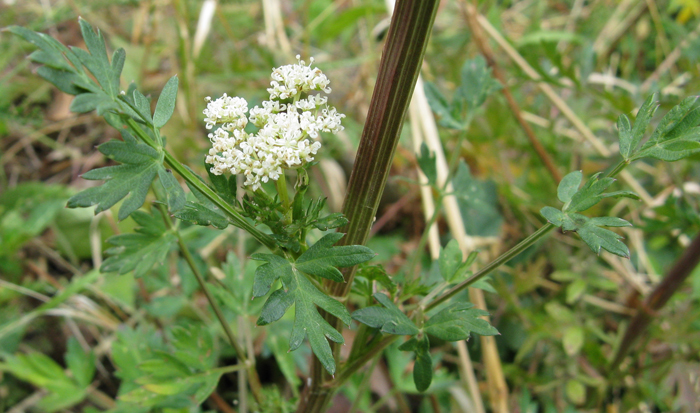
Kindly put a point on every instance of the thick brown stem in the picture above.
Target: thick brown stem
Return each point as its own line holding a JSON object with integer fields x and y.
{"x": 398, "y": 71}
{"x": 657, "y": 299}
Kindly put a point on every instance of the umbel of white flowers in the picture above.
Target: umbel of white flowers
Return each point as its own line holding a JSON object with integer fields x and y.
{"x": 289, "y": 125}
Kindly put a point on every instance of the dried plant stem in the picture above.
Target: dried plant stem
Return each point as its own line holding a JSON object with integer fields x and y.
{"x": 560, "y": 104}
{"x": 617, "y": 25}
{"x": 470, "y": 15}
{"x": 670, "y": 60}
{"x": 656, "y": 300}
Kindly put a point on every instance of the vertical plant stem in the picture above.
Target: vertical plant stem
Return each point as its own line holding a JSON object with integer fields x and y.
{"x": 407, "y": 39}
{"x": 255, "y": 386}
{"x": 656, "y": 300}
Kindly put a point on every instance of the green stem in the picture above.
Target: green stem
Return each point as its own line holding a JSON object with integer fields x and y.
{"x": 281, "y": 185}
{"x": 234, "y": 216}
{"x": 255, "y": 385}
{"x": 502, "y": 259}
{"x": 351, "y": 368}
{"x": 618, "y": 168}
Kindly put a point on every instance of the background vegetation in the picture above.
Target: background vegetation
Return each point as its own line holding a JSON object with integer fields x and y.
{"x": 571, "y": 68}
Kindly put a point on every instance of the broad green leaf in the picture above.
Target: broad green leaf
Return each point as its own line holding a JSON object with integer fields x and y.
{"x": 457, "y": 321}
{"x": 484, "y": 284}
{"x": 225, "y": 187}
{"x": 629, "y": 139}
{"x": 132, "y": 179}
{"x": 590, "y": 194}
{"x": 438, "y": 103}
{"x": 308, "y": 323}
{"x": 674, "y": 149}
{"x": 323, "y": 260}
{"x": 423, "y": 366}
{"x": 80, "y": 363}
{"x": 141, "y": 250}
{"x": 174, "y": 193}
{"x": 575, "y": 392}
{"x": 388, "y": 319}
{"x": 198, "y": 214}
{"x": 624, "y": 132}
{"x": 450, "y": 260}
{"x": 41, "y": 371}
{"x": 569, "y": 186}
{"x": 88, "y": 102}
{"x": 677, "y": 136}
{"x": 595, "y": 237}
{"x": 203, "y": 212}
{"x": 142, "y": 105}
{"x": 573, "y": 340}
{"x": 96, "y": 61}
{"x": 166, "y": 103}
{"x": 478, "y": 203}
{"x": 427, "y": 164}
{"x": 477, "y": 83}
{"x": 553, "y": 215}
{"x": 266, "y": 274}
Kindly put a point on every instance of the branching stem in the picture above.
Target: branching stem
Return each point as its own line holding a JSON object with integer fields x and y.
{"x": 255, "y": 385}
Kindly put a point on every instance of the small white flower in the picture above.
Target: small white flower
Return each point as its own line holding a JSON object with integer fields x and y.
{"x": 226, "y": 109}
{"x": 287, "y": 133}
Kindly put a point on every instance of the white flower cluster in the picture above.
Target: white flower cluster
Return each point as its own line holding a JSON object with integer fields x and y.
{"x": 289, "y": 124}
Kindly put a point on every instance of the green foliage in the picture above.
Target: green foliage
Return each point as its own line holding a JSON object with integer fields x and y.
{"x": 427, "y": 164}
{"x": 577, "y": 199}
{"x": 140, "y": 251}
{"x": 291, "y": 234}
{"x": 478, "y": 203}
{"x": 132, "y": 179}
{"x": 450, "y": 260}
{"x": 388, "y": 318}
{"x": 42, "y": 371}
{"x": 454, "y": 323}
{"x": 154, "y": 375}
{"x": 25, "y": 211}
{"x": 320, "y": 260}
{"x": 457, "y": 321}
{"x": 476, "y": 85}
{"x": 423, "y": 367}
{"x": 676, "y": 137}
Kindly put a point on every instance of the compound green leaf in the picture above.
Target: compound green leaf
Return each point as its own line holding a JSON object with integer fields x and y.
{"x": 323, "y": 260}
{"x": 166, "y": 103}
{"x": 141, "y": 250}
{"x": 630, "y": 138}
{"x": 388, "y": 319}
{"x": 569, "y": 186}
{"x": 174, "y": 193}
{"x": 590, "y": 194}
{"x": 423, "y": 366}
{"x": 308, "y": 323}
{"x": 427, "y": 164}
{"x": 80, "y": 363}
{"x": 132, "y": 179}
{"x": 457, "y": 321}
{"x": 477, "y": 83}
